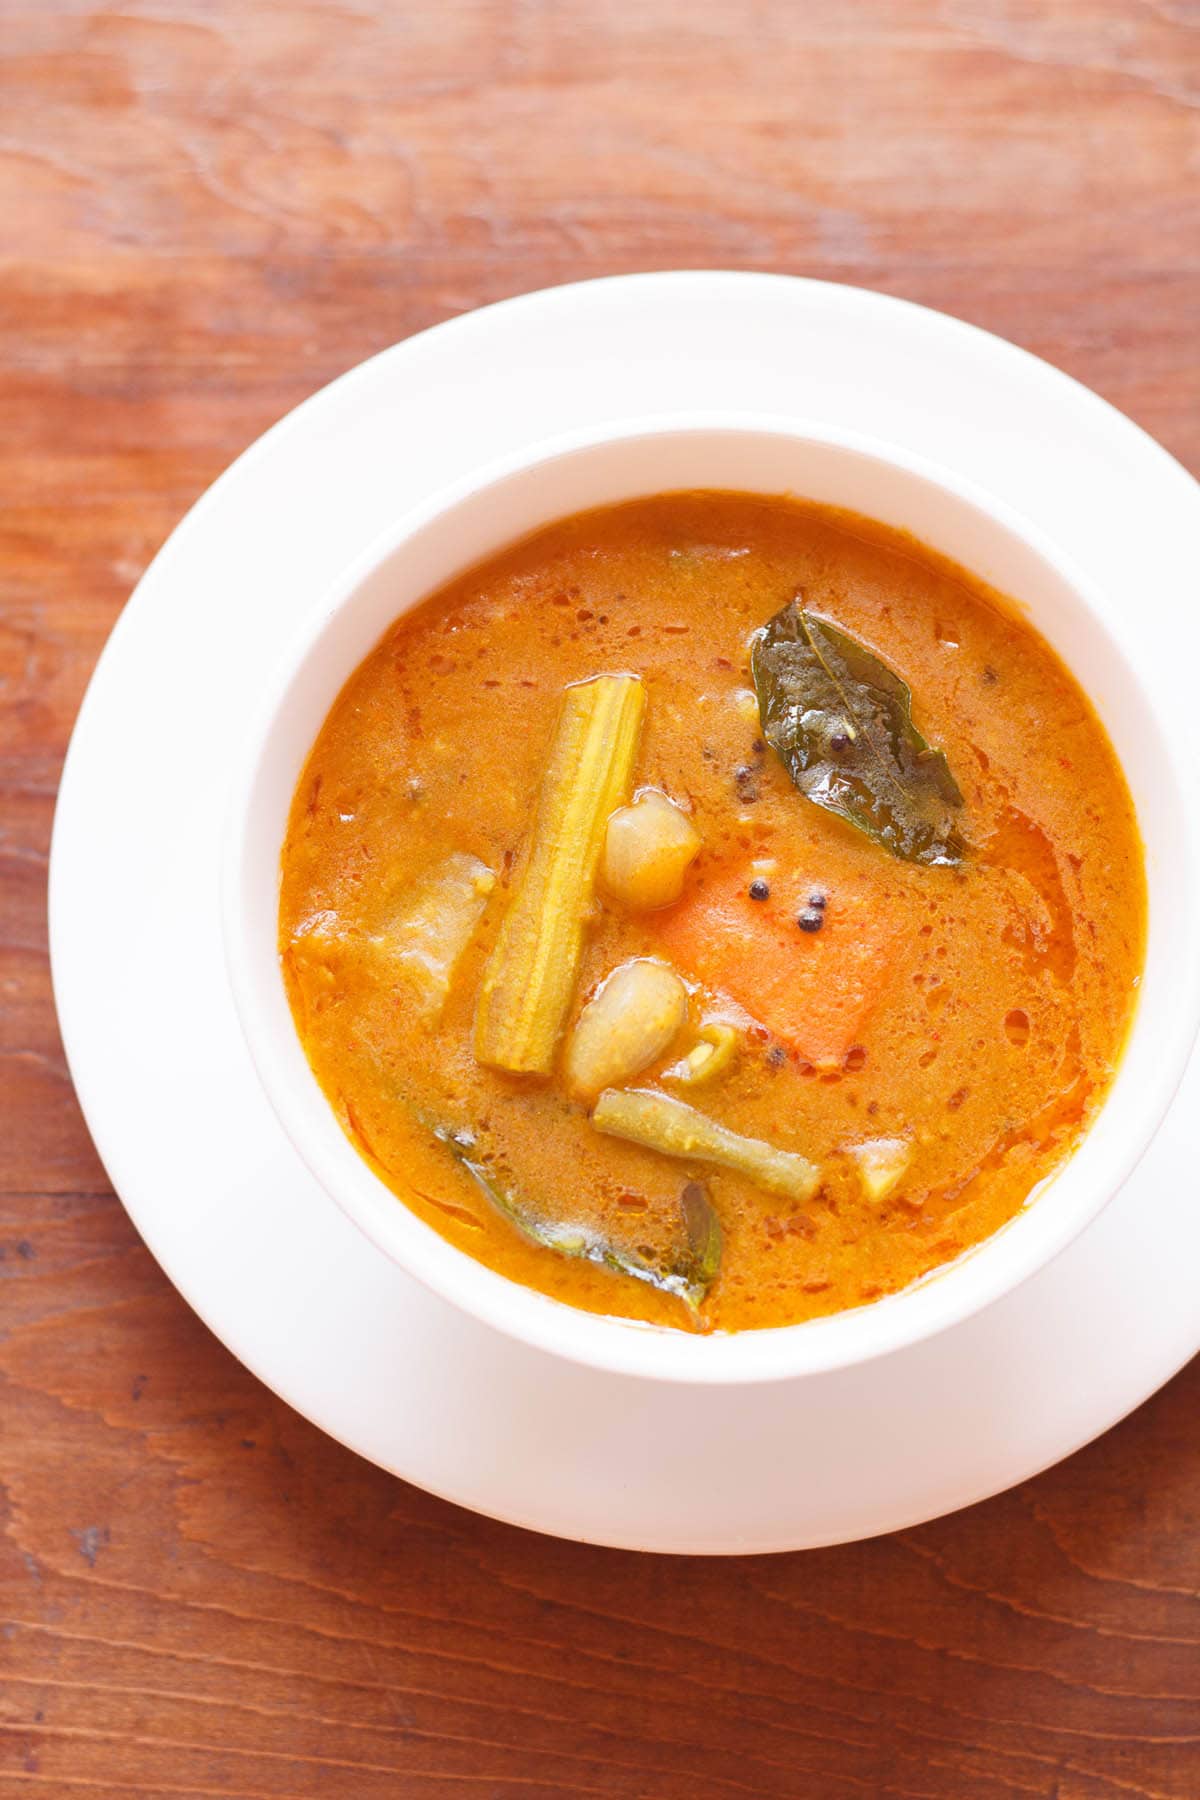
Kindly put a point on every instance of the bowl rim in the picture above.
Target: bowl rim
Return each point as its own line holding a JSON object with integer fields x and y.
{"x": 914, "y": 1314}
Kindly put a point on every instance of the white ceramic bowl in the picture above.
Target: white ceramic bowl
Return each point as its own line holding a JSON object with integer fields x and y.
{"x": 1092, "y": 631}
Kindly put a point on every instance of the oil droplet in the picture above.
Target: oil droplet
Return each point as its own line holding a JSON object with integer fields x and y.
{"x": 1016, "y": 1024}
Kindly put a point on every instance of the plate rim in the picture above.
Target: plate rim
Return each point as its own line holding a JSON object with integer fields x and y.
{"x": 176, "y": 546}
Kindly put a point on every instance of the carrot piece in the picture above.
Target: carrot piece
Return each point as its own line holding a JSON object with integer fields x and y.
{"x": 814, "y": 990}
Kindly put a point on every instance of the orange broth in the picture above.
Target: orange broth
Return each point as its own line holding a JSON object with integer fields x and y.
{"x": 976, "y": 1013}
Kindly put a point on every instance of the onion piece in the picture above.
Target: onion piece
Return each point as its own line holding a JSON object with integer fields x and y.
{"x": 648, "y": 848}
{"x": 628, "y": 1024}
{"x": 881, "y": 1163}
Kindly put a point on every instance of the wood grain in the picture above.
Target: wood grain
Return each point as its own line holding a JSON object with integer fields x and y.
{"x": 206, "y": 210}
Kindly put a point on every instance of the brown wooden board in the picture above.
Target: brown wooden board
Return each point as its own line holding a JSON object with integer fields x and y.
{"x": 207, "y": 209}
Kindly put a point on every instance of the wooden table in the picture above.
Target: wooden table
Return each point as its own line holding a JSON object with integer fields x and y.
{"x": 207, "y": 209}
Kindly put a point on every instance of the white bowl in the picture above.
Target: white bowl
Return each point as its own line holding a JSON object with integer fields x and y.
{"x": 1091, "y": 630}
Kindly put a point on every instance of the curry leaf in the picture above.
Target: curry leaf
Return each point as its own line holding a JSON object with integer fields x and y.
{"x": 703, "y": 1229}
{"x": 688, "y": 1277}
{"x": 841, "y": 723}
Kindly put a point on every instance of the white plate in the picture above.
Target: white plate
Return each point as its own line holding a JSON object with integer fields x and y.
{"x": 193, "y": 1148}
